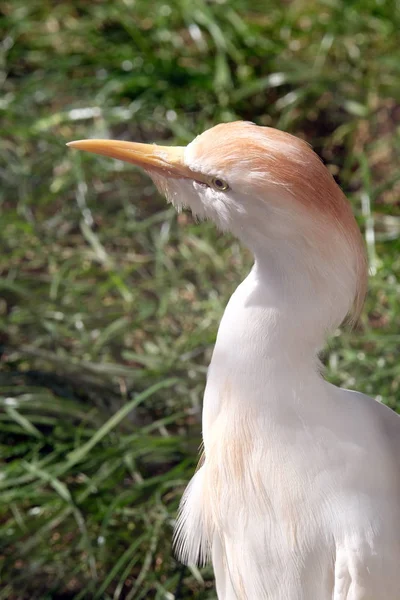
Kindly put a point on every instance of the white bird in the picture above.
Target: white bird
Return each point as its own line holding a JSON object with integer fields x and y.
{"x": 297, "y": 496}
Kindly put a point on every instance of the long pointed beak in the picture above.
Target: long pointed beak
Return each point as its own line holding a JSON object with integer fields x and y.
{"x": 169, "y": 160}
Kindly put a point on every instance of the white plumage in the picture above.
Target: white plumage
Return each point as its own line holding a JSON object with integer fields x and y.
{"x": 298, "y": 492}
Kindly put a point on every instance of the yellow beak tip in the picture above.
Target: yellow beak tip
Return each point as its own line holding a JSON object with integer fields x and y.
{"x": 74, "y": 144}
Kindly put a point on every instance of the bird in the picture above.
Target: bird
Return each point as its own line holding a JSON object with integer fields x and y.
{"x": 297, "y": 492}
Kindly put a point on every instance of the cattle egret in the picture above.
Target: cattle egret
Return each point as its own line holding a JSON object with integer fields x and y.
{"x": 297, "y": 496}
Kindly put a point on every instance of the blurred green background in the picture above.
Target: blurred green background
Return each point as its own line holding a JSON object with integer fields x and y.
{"x": 109, "y": 302}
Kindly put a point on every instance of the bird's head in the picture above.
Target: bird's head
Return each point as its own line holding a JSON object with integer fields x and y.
{"x": 269, "y": 189}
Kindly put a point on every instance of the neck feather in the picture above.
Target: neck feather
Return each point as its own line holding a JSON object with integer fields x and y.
{"x": 265, "y": 353}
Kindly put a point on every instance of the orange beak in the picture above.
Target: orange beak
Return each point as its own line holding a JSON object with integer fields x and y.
{"x": 167, "y": 160}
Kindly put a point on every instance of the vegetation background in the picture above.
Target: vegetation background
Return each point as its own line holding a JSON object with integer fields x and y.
{"x": 109, "y": 302}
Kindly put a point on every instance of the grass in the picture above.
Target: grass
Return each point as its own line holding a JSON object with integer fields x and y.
{"x": 109, "y": 303}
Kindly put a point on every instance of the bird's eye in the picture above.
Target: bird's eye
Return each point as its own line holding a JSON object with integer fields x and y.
{"x": 219, "y": 184}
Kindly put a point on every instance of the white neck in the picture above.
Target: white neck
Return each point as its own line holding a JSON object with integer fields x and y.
{"x": 267, "y": 343}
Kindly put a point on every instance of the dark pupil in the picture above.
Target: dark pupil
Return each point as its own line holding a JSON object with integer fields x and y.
{"x": 219, "y": 183}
